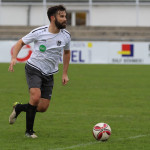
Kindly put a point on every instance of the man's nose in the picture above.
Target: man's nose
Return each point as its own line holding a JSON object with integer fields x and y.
{"x": 65, "y": 18}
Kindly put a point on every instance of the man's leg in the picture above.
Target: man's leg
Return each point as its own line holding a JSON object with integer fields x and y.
{"x": 30, "y": 109}
{"x": 46, "y": 93}
{"x": 43, "y": 105}
{"x": 16, "y": 111}
{"x": 35, "y": 94}
{"x": 18, "y": 108}
{"x": 36, "y": 104}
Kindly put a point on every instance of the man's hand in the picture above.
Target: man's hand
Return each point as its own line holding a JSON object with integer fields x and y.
{"x": 65, "y": 79}
{"x": 66, "y": 59}
{"x": 12, "y": 63}
{"x": 16, "y": 50}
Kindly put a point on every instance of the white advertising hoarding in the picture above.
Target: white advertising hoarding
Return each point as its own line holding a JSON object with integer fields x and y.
{"x": 90, "y": 52}
{"x": 129, "y": 53}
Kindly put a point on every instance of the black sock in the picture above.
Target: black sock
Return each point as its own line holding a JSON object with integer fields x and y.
{"x": 21, "y": 107}
{"x": 30, "y": 116}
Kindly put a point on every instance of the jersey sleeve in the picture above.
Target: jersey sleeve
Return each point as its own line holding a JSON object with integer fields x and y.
{"x": 30, "y": 37}
{"x": 67, "y": 46}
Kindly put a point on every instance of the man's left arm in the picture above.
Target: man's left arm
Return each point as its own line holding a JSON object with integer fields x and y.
{"x": 66, "y": 60}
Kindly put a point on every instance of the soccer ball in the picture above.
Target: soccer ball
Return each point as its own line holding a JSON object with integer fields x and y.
{"x": 101, "y": 131}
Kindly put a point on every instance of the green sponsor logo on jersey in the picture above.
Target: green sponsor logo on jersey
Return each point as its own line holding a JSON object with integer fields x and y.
{"x": 42, "y": 48}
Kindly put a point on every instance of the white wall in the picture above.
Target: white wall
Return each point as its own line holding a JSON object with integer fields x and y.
{"x": 114, "y": 15}
{"x": 101, "y": 15}
{"x": 143, "y": 16}
{"x": 13, "y": 15}
{"x": 37, "y": 16}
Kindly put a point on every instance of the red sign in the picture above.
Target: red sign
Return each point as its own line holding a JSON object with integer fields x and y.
{"x": 25, "y": 58}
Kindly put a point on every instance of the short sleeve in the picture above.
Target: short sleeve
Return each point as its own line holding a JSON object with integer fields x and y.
{"x": 29, "y": 38}
{"x": 67, "y": 46}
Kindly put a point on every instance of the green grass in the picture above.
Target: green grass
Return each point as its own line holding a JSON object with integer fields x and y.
{"x": 116, "y": 94}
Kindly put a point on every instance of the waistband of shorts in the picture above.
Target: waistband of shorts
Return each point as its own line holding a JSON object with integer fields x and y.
{"x": 35, "y": 67}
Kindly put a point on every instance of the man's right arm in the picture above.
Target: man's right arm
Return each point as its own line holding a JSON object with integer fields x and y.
{"x": 16, "y": 50}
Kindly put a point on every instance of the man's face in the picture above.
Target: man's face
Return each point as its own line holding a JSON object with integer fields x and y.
{"x": 60, "y": 20}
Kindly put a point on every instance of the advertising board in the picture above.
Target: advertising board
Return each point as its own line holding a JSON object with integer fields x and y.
{"x": 90, "y": 52}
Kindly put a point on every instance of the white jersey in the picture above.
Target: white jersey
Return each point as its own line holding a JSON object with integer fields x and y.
{"x": 48, "y": 48}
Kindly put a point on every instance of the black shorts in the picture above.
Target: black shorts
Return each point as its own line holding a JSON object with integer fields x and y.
{"x": 35, "y": 79}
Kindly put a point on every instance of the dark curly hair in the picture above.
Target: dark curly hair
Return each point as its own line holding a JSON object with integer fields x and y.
{"x": 52, "y": 11}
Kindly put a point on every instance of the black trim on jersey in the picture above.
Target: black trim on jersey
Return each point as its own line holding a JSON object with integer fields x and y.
{"x": 67, "y": 32}
{"x": 31, "y": 65}
{"x": 39, "y": 29}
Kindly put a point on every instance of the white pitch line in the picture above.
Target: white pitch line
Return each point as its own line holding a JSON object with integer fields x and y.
{"x": 86, "y": 114}
{"x": 138, "y": 136}
{"x": 96, "y": 142}
{"x": 75, "y": 146}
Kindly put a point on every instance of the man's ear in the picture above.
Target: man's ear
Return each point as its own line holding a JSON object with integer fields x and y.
{"x": 52, "y": 18}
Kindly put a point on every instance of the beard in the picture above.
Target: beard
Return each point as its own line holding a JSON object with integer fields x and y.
{"x": 60, "y": 25}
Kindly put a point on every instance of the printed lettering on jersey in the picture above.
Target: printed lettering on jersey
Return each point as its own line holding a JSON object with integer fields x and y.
{"x": 42, "y": 45}
{"x": 42, "y": 48}
{"x": 58, "y": 43}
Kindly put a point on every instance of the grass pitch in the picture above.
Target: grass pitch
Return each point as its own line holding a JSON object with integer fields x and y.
{"x": 116, "y": 94}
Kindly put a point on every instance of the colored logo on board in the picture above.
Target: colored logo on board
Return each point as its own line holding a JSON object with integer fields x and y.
{"x": 24, "y": 58}
{"x": 127, "y": 50}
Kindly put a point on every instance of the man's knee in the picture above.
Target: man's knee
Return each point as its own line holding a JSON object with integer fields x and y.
{"x": 43, "y": 105}
{"x": 42, "y": 109}
{"x": 35, "y": 95}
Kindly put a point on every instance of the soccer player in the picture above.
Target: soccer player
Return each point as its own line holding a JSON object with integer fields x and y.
{"x": 50, "y": 43}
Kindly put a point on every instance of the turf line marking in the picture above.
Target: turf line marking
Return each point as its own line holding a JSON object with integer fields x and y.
{"x": 138, "y": 136}
{"x": 86, "y": 114}
{"x": 75, "y": 146}
{"x": 96, "y": 142}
